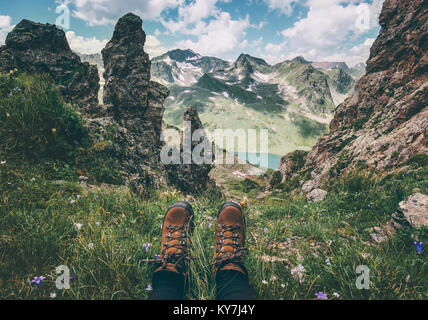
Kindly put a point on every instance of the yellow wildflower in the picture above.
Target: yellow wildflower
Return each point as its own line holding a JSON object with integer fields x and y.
{"x": 53, "y": 130}
{"x": 244, "y": 203}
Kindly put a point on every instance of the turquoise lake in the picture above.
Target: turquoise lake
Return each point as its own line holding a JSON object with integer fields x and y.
{"x": 266, "y": 160}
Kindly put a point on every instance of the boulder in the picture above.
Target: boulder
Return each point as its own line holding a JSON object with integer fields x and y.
{"x": 415, "y": 209}
{"x": 317, "y": 195}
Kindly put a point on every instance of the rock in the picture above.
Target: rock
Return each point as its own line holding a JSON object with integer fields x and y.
{"x": 289, "y": 165}
{"x": 317, "y": 195}
{"x": 136, "y": 104}
{"x": 127, "y": 69}
{"x": 385, "y": 122}
{"x": 192, "y": 178}
{"x": 43, "y": 49}
{"x": 415, "y": 210}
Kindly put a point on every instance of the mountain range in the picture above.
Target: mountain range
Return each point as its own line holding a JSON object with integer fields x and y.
{"x": 294, "y": 99}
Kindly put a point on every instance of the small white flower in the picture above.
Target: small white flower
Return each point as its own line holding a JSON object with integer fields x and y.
{"x": 282, "y": 285}
{"x": 365, "y": 255}
{"x": 336, "y": 294}
{"x": 78, "y": 226}
{"x": 149, "y": 287}
{"x": 72, "y": 201}
{"x": 98, "y": 223}
{"x": 297, "y": 272}
{"x": 91, "y": 245}
{"x": 3, "y": 162}
{"x": 52, "y": 295}
{"x": 266, "y": 230}
{"x": 264, "y": 282}
{"x": 274, "y": 278}
{"x": 408, "y": 278}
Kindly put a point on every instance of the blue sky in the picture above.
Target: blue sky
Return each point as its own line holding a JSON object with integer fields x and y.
{"x": 276, "y": 30}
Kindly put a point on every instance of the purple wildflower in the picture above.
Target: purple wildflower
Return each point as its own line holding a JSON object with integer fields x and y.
{"x": 147, "y": 246}
{"x": 149, "y": 287}
{"x": 210, "y": 225}
{"x": 418, "y": 246}
{"x": 321, "y": 295}
{"x": 38, "y": 280}
{"x": 157, "y": 257}
{"x": 78, "y": 197}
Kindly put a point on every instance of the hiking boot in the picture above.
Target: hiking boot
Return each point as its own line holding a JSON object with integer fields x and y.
{"x": 229, "y": 250}
{"x": 177, "y": 227}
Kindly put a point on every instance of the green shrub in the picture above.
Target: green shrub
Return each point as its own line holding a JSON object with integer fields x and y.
{"x": 35, "y": 121}
{"x": 418, "y": 161}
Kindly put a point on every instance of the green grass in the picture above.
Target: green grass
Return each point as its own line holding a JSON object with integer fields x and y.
{"x": 38, "y": 233}
{"x": 42, "y": 202}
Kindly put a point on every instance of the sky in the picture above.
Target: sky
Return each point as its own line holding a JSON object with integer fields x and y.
{"x": 275, "y": 30}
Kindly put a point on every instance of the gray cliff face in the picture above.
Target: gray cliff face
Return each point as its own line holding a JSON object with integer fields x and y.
{"x": 43, "y": 49}
{"x": 385, "y": 122}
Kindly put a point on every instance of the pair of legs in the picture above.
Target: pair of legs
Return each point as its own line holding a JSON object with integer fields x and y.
{"x": 169, "y": 279}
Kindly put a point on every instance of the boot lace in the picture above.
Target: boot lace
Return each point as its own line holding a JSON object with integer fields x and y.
{"x": 175, "y": 258}
{"x": 239, "y": 253}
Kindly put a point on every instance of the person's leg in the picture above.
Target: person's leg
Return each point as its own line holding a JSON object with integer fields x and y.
{"x": 229, "y": 271}
{"x": 234, "y": 285}
{"x": 167, "y": 286}
{"x": 169, "y": 277}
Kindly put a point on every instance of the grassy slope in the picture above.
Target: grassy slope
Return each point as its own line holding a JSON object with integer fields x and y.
{"x": 38, "y": 233}
{"x": 41, "y": 202}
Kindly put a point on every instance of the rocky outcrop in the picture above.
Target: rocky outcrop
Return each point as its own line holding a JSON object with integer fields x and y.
{"x": 135, "y": 104}
{"x": 385, "y": 123}
{"x": 317, "y": 195}
{"x": 192, "y": 178}
{"x": 412, "y": 213}
{"x": 414, "y": 210}
{"x": 43, "y": 49}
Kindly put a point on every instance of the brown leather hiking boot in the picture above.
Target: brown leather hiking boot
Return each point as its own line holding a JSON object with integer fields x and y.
{"x": 229, "y": 250}
{"x": 177, "y": 227}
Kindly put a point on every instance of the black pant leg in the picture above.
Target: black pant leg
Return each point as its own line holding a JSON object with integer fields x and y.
{"x": 167, "y": 286}
{"x": 234, "y": 285}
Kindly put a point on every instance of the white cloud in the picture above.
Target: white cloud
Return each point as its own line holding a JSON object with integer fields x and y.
{"x": 220, "y": 36}
{"x": 329, "y": 29}
{"x": 154, "y": 47}
{"x": 257, "y": 42}
{"x": 198, "y": 10}
{"x": 92, "y": 45}
{"x": 215, "y": 31}
{"x": 5, "y": 27}
{"x": 243, "y": 44}
{"x": 101, "y": 12}
{"x": 85, "y": 45}
{"x": 283, "y": 6}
